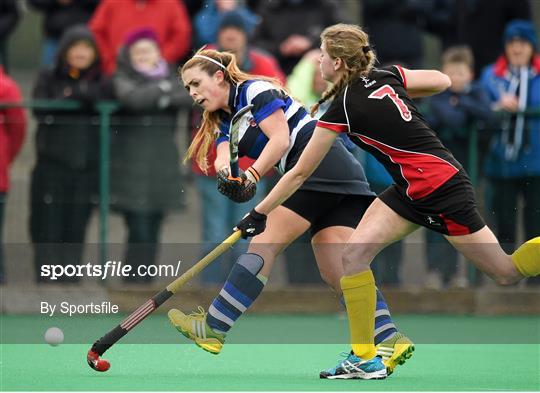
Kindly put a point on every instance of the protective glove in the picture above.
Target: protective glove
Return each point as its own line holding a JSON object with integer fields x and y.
{"x": 252, "y": 224}
{"x": 240, "y": 189}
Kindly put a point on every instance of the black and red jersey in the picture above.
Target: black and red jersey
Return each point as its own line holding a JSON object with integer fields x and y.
{"x": 378, "y": 115}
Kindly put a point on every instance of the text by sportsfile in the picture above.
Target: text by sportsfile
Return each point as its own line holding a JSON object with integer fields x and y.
{"x": 109, "y": 269}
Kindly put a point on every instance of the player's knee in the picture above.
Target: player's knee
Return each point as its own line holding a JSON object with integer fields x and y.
{"x": 251, "y": 262}
{"x": 506, "y": 275}
{"x": 325, "y": 276}
{"x": 505, "y": 278}
{"x": 504, "y": 281}
{"x": 330, "y": 279}
{"x": 356, "y": 256}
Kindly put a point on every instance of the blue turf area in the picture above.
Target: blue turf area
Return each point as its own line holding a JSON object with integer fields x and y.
{"x": 271, "y": 366}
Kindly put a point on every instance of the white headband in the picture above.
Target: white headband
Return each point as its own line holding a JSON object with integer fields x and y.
{"x": 212, "y": 60}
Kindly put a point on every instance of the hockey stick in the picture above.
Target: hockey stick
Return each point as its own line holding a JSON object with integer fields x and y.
{"x": 108, "y": 340}
{"x": 234, "y": 130}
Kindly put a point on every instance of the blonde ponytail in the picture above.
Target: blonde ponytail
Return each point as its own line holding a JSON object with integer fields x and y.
{"x": 350, "y": 44}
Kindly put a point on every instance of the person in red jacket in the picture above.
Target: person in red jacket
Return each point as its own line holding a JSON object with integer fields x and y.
{"x": 12, "y": 131}
{"x": 113, "y": 20}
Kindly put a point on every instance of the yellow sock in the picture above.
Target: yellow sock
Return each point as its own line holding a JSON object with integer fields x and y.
{"x": 360, "y": 299}
{"x": 527, "y": 258}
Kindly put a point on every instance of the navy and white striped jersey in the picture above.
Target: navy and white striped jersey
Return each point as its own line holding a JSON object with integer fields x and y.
{"x": 266, "y": 99}
{"x": 339, "y": 172}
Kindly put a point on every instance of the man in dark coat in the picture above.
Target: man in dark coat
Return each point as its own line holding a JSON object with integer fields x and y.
{"x": 9, "y": 16}
{"x": 60, "y": 15}
{"x": 290, "y": 28}
{"x": 476, "y": 23}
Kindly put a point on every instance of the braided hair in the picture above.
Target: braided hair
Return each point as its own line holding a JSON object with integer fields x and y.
{"x": 351, "y": 44}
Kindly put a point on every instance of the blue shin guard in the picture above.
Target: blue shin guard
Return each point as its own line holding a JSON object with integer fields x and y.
{"x": 238, "y": 293}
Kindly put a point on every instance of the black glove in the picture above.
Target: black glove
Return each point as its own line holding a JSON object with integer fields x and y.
{"x": 238, "y": 189}
{"x": 252, "y": 224}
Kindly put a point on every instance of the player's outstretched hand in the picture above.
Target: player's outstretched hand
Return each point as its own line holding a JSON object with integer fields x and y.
{"x": 252, "y": 224}
{"x": 239, "y": 189}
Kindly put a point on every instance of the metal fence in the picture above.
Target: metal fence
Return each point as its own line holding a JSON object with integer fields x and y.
{"x": 106, "y": 110}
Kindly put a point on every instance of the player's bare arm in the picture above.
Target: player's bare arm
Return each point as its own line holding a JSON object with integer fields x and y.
{"x": 316, "y": 149}
{"x": 222, "y": 156}
{"x": 276, "y": 129}
{"x": 424, "y": 83}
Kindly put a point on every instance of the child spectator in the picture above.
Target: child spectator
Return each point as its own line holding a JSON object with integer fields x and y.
{"x": 452, "y": 114}
{"x": 12, "y": 131}
{"x": 145, "y": 173}
{"x": 64, "y": 183}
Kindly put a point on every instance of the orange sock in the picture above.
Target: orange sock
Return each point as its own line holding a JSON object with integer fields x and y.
{"x": 360, "y": 299}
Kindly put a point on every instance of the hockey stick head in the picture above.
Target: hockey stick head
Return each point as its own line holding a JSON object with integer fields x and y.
{"x": 234, "y": 130}
{"x": 104, "y": 343}
{"x": 96, "y": 363}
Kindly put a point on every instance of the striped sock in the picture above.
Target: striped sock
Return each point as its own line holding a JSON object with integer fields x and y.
{"x": 240, "y": 290}
{"x": 384, "y": 326}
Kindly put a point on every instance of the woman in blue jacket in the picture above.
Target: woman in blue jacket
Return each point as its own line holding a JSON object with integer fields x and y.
{"x": 513, "y": 161}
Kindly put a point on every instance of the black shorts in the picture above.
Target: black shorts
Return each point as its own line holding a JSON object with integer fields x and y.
{"x": 450, "y": 210}
{"x": 326, "y": 209}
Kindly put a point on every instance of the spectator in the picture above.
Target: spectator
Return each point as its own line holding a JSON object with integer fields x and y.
{"x": 290, "y": 28}
{"x": 475, "y": 23}
{"x": 453, "y": 113}
{"x": 59, "y": 16}
{"x": 396, "y": 29}
{"x": 513, "y": 162}
{"x": 145, "y": 173}
{"x": 114, "y": 19}
{"x": 192, "y": 7}
{"x": 233, "y": 36}
{"x": 9, "y": 16}
{"x": 208, "y": 20}
{"x": 64, "y": 183}
{"x": 12, "y": 131}
{"x": 305, "y": 81}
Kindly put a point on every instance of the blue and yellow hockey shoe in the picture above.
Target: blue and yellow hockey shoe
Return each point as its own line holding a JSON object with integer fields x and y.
{"x": 395, "y": 351}
{"x": 354, "y": 367}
